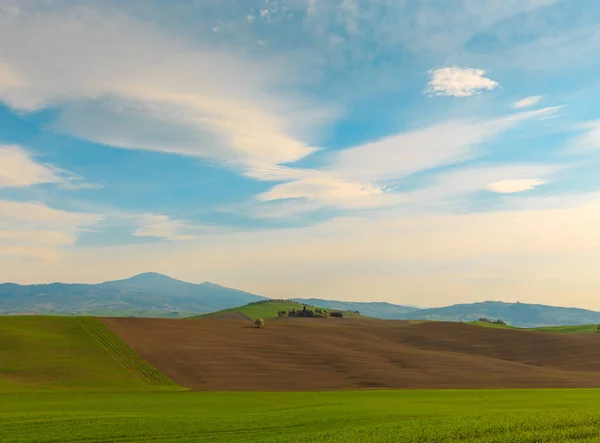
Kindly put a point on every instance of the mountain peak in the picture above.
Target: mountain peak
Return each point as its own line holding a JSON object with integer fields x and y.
{"x": 148, "y": 280}
{"x": 150, "y": 276}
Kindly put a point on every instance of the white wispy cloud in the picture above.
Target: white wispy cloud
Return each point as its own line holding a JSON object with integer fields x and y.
{"x": 161, "y": 226}
{"x": 356, "y": 177}
{"x": 323, "y": 188}
{"x": 104, "y": 80}
{"x": 514, "y": 186}
{"x": 18, "y": 168}
{"x": 465, "y": 180}
{"x": 527, "y": 101}
{"x": 459, "y": 82}
{"x": 35, "y": 230}
{"x": 588, "y": 138}
{"x": 404, "y": 154}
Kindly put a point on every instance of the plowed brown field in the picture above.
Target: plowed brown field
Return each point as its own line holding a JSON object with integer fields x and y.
{"x": 320, "y": 354}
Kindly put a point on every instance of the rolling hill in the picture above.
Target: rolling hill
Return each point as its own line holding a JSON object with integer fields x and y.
{"x": 370, "y": 309}
{"x": 522, "y": 315}
{"x": 41, "y": 352}
{"x": 149, "y": 294}
{"x": 266, "y": 310}
{"x": 356, "y": 353}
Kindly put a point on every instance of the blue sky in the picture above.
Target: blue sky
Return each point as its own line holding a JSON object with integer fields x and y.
{"x": 419, "y": 152}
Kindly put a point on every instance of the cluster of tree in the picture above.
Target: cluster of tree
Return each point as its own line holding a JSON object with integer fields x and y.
{"x": 494, "y": 322}
{"x": 309, "y": 313}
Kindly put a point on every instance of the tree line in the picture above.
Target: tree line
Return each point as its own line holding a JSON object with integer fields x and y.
{"x": 304, "y": 312}
{"x": 495, "y": 322}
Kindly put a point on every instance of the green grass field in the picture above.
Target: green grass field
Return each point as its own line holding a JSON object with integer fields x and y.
{"x": 555, "y": 329}
{"x": 266, "y": 310}
{"x": 70, "y": 352}
{"x": 567, "y": 329}
{"x": 369, "y": 416}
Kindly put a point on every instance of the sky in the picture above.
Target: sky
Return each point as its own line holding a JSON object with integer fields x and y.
{"x": 417, "y": 152}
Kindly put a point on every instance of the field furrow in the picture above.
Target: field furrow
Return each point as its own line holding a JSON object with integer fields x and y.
{"x": 124, "y": 354}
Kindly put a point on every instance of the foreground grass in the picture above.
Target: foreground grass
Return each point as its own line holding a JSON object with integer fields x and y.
{"x": 39, "y": 352}
{"x": 366, "y": 416}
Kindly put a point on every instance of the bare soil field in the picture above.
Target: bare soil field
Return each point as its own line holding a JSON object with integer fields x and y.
{"x": 292, "y": 354}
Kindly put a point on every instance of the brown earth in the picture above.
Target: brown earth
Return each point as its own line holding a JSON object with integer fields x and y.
{"x": 319, "y": 354}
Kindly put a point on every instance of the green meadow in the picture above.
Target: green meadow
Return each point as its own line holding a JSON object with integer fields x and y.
{"x": 68, "y": 379}
{"x": 367, "y": 416}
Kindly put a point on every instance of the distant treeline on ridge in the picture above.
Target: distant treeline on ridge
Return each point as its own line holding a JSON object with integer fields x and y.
{"x": 304, "y": 312}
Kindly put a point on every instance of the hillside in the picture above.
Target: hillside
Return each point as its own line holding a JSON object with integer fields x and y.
{"x": 370, "y": 309}
{"x": 149, "y": 295}
{"x": 579, "y": 329}
{"x": 156, "y": 295}
{"x": 296, "y": 354}
{"x": 70, "y": 352}
{"x": 521, "y": 315}
{"x": 265, "y": 310}
{"x": 516, "y": 314}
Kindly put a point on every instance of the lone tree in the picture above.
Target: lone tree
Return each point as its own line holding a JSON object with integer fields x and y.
{"x": 259, "y": 322}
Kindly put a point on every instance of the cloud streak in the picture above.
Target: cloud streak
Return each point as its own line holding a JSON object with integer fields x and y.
{"x": 356, "y": 177}
{"x": 588, "y": 140}
{"x": 514, "y": 186}
{"x": 18, "y": 169}
{"x": 162, "y": 227}
{"x": 33, "y": 230}
{"x": 527, "y": 102}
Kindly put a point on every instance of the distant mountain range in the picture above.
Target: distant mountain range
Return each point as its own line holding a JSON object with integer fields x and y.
{"x": 148, "y": 294}
{"x": 156, "y": 295}
{"x": 516, "y": 314}
{"x": 370, "y": 309}
{"x": 523, "y": 315}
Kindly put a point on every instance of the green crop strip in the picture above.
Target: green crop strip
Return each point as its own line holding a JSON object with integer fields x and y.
{"x": 124, "y": 354}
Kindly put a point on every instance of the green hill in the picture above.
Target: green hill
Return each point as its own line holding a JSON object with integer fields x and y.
{"x": 370, "y": 309}
{"x": 555, "y": 329}
{"x": 268, "y": 309}
{"x": 70, "y": 352}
